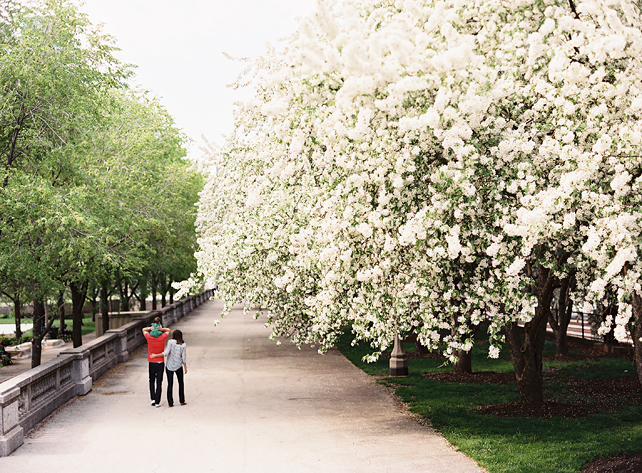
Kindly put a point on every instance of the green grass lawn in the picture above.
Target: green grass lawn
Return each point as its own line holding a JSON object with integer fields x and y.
{"x": 513, "y": 444}
{"x": 87, "y": 327}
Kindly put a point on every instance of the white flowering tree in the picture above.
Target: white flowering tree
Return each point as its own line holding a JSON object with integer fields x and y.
{"x": 583, "y": 217}
{"x": 421, "y": 166}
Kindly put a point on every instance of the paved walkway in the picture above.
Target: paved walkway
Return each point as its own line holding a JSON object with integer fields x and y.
{"x": 252, "y": 407}
{"x": 11, "y": 328}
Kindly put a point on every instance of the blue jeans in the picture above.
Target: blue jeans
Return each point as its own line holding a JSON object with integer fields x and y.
{"x": 170, "y": 386}
{"x": 156, "y": 381}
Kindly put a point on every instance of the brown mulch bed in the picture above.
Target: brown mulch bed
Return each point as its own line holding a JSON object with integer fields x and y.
{"x": 476, "y": 377}
{"x": 589, "y": 352}
{"x": 624, "y": 463}
{"x": 549, "y": 409}
{"x": 606, "y": 392}
{"x": 414, "y": 355}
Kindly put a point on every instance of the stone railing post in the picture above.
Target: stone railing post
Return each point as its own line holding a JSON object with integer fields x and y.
{"x": 80, "y": 369}
{"x": 11, "y": 433}
{"x": 184, "y": 308}
{"x": 120, "y": 347}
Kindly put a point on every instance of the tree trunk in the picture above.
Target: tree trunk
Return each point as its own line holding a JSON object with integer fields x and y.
{"x": 92, "y": 294}
{"x": 17, "y": 313}
{"x": 527, "y": 355}
{"x": 154, "y": 296}
{"x": 123, "y": 288}
{"x": 61, "y": 310}
{"x": 560, "y": 324}
{"x": 104, "y": 305}
{"x": 636, "y": 334}
{"x": 142, "y": 299}
{"x": 419, "y": 348}
{"x": 609, "y": 337}
{"x": 38, "y": 333}
{"x": 78, "y": 296}
{"x": 124, "y": 301}
{"x": 527, "y": 360}
{"x": 464, "y": 363}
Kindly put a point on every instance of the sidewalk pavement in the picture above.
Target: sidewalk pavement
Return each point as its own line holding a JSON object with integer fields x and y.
{"x": 252, "y": 406}
{"x": 6, "y": 329}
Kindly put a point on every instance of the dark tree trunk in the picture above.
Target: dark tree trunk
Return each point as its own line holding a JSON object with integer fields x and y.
{"x": 560, "y": 323}
{"x": 142, "y": 299}
{"x": 39, "y": 331}
{"x": 154, "y": 293}
{"x": 609, "y": 337}
{"x": 78, "y": 296}
{"x": 527, "y": 354}
{"x": 123, "y": 289}
{"x": 636, "y": 334}
{"x": 61, "y": 310}
{"x": 17, "y": 312}
{"x": 464, "y": 363}
{"x": 165, "y": 286}
{"x": 419, "y": 348}
{"x": 92, "y": 294}
{"x": 104, "y": 305}
{"x": 171, "y": 296}
{"x": 124, "y": 300}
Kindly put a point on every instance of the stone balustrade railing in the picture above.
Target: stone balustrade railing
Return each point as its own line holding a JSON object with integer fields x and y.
{"x": 28, "y": 398}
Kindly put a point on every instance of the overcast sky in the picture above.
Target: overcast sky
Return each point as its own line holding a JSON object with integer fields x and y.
{"x": 178, "y": 47}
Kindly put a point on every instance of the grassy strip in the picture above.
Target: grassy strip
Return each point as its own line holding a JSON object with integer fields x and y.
{"x": 512, "y": 444}
{"x": 87, "y": 327}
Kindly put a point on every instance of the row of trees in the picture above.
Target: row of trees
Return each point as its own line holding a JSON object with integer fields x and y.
{"x": 95, "y": 192}
{"x": 413, "y": 166}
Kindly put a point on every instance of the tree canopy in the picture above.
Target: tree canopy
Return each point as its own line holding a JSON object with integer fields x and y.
{"x": 95, "y": 185}
{"x": 419, "y": 166}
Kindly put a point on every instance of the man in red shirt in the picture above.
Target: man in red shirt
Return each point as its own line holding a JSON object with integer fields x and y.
{"x": 155, "y": 336}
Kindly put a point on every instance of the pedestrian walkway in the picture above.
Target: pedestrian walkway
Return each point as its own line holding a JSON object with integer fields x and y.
{"x": 252, "y": 406}
{"x": 6, "y": 329}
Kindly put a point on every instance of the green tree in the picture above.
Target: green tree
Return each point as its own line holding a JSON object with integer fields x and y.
{"x": 54, "y": 68}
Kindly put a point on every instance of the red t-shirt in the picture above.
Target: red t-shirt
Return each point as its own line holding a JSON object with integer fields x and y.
{"x": 156, "y": 345}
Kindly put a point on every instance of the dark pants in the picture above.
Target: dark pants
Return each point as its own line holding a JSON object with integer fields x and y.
{"x": 170, "y": 386}
{"x": 156, "y": 381}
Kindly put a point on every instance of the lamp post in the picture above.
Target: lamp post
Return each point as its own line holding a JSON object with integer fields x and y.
{"x": 398, "y": 360}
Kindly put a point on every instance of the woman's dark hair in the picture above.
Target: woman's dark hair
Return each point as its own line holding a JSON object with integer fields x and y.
{"x": 178, "y": 336}
{"x": 157, "y": 320}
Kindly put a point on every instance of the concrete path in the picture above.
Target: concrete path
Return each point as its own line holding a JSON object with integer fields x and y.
{"x": 252, "y": 406}
{"x": 11, "y": 328}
